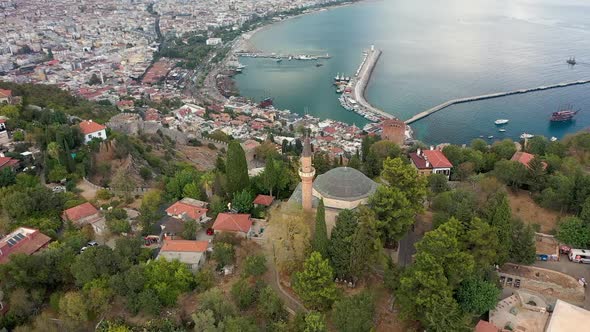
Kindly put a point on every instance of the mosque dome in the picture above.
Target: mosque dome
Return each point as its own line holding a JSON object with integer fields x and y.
{"x": 344, "y": 184}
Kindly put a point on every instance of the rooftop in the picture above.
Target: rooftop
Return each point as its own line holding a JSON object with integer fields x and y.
{"x": 568, "y": 317}
{"x": 428, "y": 159}
{"x": 186, "y": 209}
{"x": 232, "y": 222}
{"x": 22, "y": 241}
{"x": 265, "y": 200}
{"x": 81, "y": 211}
{"x": 184, "y": 246}
{"x": 344, "y": 183}
{"x": 89, "y": 127}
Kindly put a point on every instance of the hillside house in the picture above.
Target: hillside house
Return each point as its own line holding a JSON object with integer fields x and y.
{"x": 22, "y": 241}
{"x": 191, "y": 253}
{"x": 189, "y": 209}
{"x": 84, "y": 214}
{"x": 431, "y": 162}
{"x": 91, "y": 130}
{"x": 234, "y": 223}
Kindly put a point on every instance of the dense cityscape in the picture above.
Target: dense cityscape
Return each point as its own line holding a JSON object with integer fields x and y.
{"x": 140, "y": 191}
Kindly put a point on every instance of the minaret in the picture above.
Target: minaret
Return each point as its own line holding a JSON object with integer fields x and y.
{"x": 306, "y": 172}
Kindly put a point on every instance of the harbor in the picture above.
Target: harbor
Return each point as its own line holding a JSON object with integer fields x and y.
{"x": 277, "y": 56}
{"x": 353, "y": 89}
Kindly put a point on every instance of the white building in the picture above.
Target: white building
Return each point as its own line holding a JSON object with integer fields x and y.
{"x": 191, "y": 253}
{"x": 213, "y": 41}
{"x": 91, "y": 130}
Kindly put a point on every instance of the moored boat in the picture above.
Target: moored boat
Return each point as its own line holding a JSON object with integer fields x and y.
{"x": 526, "y": 136}
{"x": 501, "y": 121}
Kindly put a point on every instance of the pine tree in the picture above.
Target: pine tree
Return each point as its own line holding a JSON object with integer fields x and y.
{"x": 315, "y": 284}
{"x": 499, "y": 217}
{"x": 341, "y": 243}
{"x": 320, "y": 239}
{"x": 236, "y": 168}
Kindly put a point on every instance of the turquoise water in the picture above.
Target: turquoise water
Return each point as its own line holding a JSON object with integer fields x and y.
{"x": 434, "y": 51}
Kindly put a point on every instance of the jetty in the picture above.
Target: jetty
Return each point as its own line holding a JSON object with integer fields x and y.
{"x": 282, "y": 56}
{"x": 361, "y": 80}
{"x": 490, "y": 96}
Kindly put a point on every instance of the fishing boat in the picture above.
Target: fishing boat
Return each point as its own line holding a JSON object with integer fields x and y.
{"x": 501, "y": 121}
{"x": 279, "y": 60}
{"x": 571, "y": 61}
{"x": 526, "y": 136}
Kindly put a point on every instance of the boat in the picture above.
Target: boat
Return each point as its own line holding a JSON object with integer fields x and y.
{"x": 571, "y": 61}
{"x": 501, "y": 121}
{"x": 490, "y": 137}
{"x": 319, "y": 64}
{"x": 337, "y": 78}
{"x": 265, "y": 103}
{"x": 290, "y": 57}
{"x": 502, "y": 130}
{"x": 564, "y": 114}
{"x": 279, "y": 60}
{"x": 526, "y": 136}
{"x": 553, "y": 139}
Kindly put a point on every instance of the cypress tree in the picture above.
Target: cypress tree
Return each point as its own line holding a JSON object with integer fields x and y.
{"x": 500, "y": 217}
{"x": 236, "y": 168}
{"x": 340, "y": 247}
{"x": 320, "y": 238}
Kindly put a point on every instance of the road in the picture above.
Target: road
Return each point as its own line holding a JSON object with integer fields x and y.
{"x": 575, "y": 270}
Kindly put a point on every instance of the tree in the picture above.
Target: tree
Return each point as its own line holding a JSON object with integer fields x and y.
{"x": 321, "y": 162}
{"x": 574, "y": 232}
{"x": 585, "y": 212}
{"x": 73, "y": 305}
{"x": 426, "y": 287}
{"x": 192, "y": 190}
{"x": 223, "y": 253}
{"x": 504, "y": 149}
{"x": 270, "y": 306}
{"x": 242, "y": 201}
{"x": 315, "y": 283}
{"x": 213, "y": 300}
{"x": 378, "y": 152}
{"x": 396, "y": 204}
{"x": 510, "y": 172}
{"x": 236, "y": 168}
{"x": 477, "y": 296}
{"x": 239, "y": 324}
{"x": 341, "y": 243}
{"x": 184, "y": 183}
{"x": 168, "y": 280}
{"x": 537, "y": 145}
{"x": 314, "y": 322}
{"x": 255, "y": 265}
{"x": 366, "y": 244}
{"x": 7, "y": 177}
{"x": 522, "y": 250}
{"x": 320, "y": 240}
{"x": 266, "y": 150}
{"x": 205, "y": 322}
{"x": 274, "y": 176}
{"x": 479, "y": 144}
{"x": 355, "y": 162}
{"x": 438, "y": 183}
{"x": 481, "y": 240}
{"x": 94, "y": 80}
{"x": 93, "y": 263}
{"x": 291, "y": 238}
{"x": 244, "y": 294}
{"x": 499, "y": 216}
{"x": 190, "y": 229}
{"x": 149, "y": 209}
{"x": 123, "y": 183}
{"x": 354, "y": 313}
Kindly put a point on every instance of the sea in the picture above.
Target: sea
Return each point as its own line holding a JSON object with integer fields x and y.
{"x": 434, "y": 51}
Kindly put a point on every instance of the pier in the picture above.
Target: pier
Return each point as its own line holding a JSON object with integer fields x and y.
{"x": 282, "y": 56}
{"x": 361, "y": 80}
{"x": 489, "y": 96}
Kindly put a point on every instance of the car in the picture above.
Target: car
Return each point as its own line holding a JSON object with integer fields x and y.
{"x": 210, "y": 231}
{"x": 83, "y": 249}
{"x": 92, "y": 244}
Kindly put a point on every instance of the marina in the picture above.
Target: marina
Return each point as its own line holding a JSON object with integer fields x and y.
{"x": 280, "y": 57}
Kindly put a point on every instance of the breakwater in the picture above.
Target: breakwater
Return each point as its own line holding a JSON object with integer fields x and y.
{"x": 444, "y": 105}
{"x": 361, "y": 80}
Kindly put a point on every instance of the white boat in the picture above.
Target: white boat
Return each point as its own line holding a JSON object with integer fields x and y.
{"x": 490, "y": 137}
{"x": 502, "y": 130}
{"x": 501, "y": 121}
{"x": 526, "y": 136}
{"x": 553, "y": 139}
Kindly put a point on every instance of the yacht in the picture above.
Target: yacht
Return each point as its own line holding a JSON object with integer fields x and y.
{"x": 501, "y": 121}
{"x": 526, "y": 136}
{"x": 502, "y": 130}
{"x": 553, "y": 139}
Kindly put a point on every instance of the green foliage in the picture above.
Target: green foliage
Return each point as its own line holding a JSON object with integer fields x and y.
{"x": 320, "y": 242}
{"x": 223, "y": 253}
{"x": 378, "y": 153}
{"x": 118, "y": 226}
{"x": 479, "y": 144}
{"x": 236, "y": 168}
{"x": 481, "y": 240}
{"x": 270, "y": 306}
{"x": 242, "y": 201}
{"x": 255, "y": 265}
{"x": 275, "y": 177}
{"x": 213, "y": 300}
{"x": 396, "y": 204}
{"x": 315, "y": 322}
{"x": 7, "y": 177}
{"x": 190, "y": 228}
{"x": 340, "y": 245}
{"x": 315, "y": 284}
{"x": 366, "y": 244}
{"x": 355, "y": 313}
{"x": 504, "y": 149}
{"x": 103, "y": 194}
{"x": 460, "y": 204}
{"x": 175, "y": 186}
{"x": 522, "y": 250}
{"x": 574, "y": 232}
{"x": 510, "y": 172}
{"x": 168, "y": 280}
{"x": 243, "y": 294}
{"x": 73, "y": 305}
{"x": 477, "y": 296}
{"x": 438, "y": 183}
{"x": 499, "y": 216}
{"x": 93, "y": 263}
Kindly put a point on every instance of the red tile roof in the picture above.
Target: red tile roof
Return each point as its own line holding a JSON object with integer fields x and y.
{"x": 5, "y": 93}
{"x": 525, "y": 158}
{"x": 30, "y": 241}
{"x": 7, "y": 162}
{"x": 483, "y": 326}
{"x": 435, "y": 158}
{"x": 81, "y": 211}
{"x": 182, "y": 208}
{"x": 265, "y": 200}
{"x": 232, "y": 222}
{"x": 89, "y": 127}
{"x": 184, "y": 246}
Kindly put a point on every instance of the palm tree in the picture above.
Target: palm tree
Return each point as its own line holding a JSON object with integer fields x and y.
{"x": 207, "y": 183}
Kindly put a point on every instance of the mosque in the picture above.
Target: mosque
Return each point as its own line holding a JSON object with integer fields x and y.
{"x": 340, "y": 188}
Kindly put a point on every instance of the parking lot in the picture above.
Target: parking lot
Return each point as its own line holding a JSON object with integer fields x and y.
{"x": 575, "y": 270}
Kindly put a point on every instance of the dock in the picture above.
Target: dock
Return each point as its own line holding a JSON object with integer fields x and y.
{"x": 361, "y": 80}
{"x": 282, "y": 56}
{"x": 490, "y": 96}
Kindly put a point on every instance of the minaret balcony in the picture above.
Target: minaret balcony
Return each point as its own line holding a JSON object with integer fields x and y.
{"x": 309, "y": 174}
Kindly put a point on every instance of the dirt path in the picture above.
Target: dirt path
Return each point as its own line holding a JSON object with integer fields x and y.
{"x": 88, "y": 192}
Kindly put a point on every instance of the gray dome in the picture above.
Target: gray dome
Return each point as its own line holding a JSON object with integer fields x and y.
{"x": 344, "y": 183}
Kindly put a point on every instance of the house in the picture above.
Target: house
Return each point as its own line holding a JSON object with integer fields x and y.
{"x": 125, "y": 105}
{"x": 7, "y": 162}
{"x": 568, "y": 317}
{"x": 525, "y": 158}
{"x": 86, "y": 214}
{"x": 263, "y": 200}
{"x": 235, "y": 223}
{"x": 191, "y": 253}
{"x": 213, "y": 41}
{"x": 5, "y": 96}
{"x": 431, "y": 162}
{"x": 4, "y": 139}
{"x": 91, "y": 130}
{"x": 22, "y": 241}
{"x": 484, "y": 326}
{"x": 187, "y": 209}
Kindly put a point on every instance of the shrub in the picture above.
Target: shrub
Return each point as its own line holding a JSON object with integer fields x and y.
{"x": 255, "y": 265}
{"x": 103, "y": 194}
